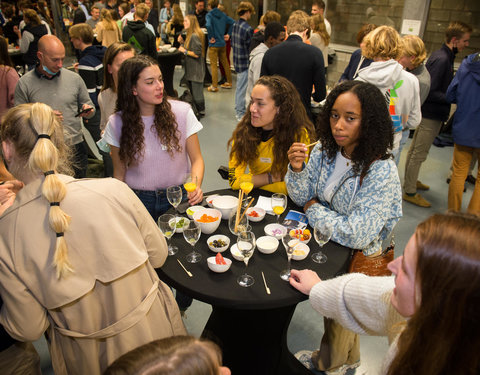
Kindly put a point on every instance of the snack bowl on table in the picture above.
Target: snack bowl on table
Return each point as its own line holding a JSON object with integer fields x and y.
{"x": 181, "y": 222}
{"x": 218, "y": 237}
{"x": 226, "y": 204}
{"x": 172, "y": 49}
{"x": 210, "y": 199}
{"x": 267, "y": 244}
{"x": 192, "y": 209}
{"x": 204, "y": 218}
{"x": 275, "y": 230}
{"x": 236, "y": 254}
{"x": 255, "y": 214}
{"x": 219, "y": 268}
{"x": 304, "y": 235}
{"x": 301, "y": 251}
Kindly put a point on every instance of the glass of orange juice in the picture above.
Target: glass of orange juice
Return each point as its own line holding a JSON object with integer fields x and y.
{"x": 190, "y": 183}
{"x": 279, "y": 204}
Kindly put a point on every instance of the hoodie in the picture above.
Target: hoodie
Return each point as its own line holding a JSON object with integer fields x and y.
{"x": 254, "y": 68}
{"x": 400, "y": 89}
{"x": 465, "y": 91}
{"x": 217, "y": 23}
{"x": 90, "y": 68}
{"x": 136, "y": 34}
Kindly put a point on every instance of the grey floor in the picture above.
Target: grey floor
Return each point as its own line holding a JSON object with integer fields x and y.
{"x": 306, "y": 328}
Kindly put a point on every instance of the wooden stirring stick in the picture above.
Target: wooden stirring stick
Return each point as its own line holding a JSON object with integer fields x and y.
{"x": 239, "y": 207}
{"x": 241, "y": 216}
{"x": 188, "y": 272}
{"x": 312, "y": 144}
{"x": 265, "y": 283}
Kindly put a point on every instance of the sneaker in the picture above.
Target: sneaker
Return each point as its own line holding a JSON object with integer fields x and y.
{"x": 472, "y": 180}
{"x": 342, "y": 370}
{"x": 212, "y": 89}
{"x": 417, "y": 200}
{"x": 226, "y": 85}
{"x": 305, "y": 358}
{"x": 421, "y": 186}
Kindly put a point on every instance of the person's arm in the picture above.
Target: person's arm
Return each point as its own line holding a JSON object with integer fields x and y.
{"x": 198, "y": 167}
{"x": 24, "y": 40}
{"x": 415, "y": 115}
{"x": 230, "y": 22}
{"x": 451, "y": 94}
{"x": 89, "y": 76}
{"x": 119, "y": 167}
{"x": 21, "y": 94}
{"x": 438, "y": 70}
{"x": 84, "y": 100}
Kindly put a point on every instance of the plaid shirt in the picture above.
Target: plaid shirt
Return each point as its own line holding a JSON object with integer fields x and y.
{"x": 241, "y": 36}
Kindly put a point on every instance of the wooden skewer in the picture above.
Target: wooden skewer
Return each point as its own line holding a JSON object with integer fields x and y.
{"x": 312, "y": 144}
{"x": 188, "y": 272}
{"x": 265, "y": 283}
{"x": 239, "y": 207}
{"x": 241, "y": 216}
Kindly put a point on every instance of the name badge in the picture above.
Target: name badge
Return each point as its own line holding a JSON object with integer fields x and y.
{"x": 266, "y": 160}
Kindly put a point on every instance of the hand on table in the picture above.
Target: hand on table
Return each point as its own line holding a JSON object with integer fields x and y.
{"x": 297, "y": 153}
{"x": 304, "y": 280}
{"x": 195, "y": 197}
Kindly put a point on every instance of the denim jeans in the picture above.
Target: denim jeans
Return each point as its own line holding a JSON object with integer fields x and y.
{"x": 398, "y": 152}
{"x": 242, "y": 79}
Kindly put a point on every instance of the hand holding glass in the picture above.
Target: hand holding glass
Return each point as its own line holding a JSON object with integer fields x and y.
{"x": 322, "y": 232}
{"x": 289, "y": 242}
{"x": 190, "y": 183}
{"x": 168, "y": 226}
{"x": 192, "y": 233}
{"x": 246, "y": 245}
{"x": 279, "y": 204}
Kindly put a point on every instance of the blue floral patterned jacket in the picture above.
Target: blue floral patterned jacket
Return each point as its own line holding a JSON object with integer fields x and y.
{"x": 362, "y": 215}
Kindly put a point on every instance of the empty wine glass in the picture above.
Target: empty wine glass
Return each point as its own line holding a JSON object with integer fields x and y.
{"x": 192, "y": 232}
{"x": 174, "y": 196}
{"x": 246, "y": 246}
{"x": 279, "y": 204}
{"x": 322, "y": 232}
{"x": 289, "y": 242}
{"x": 168, "y": 226}
{"x": 242, "y": 225}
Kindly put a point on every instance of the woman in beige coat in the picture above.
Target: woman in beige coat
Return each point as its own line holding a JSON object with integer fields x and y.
{"x": 77, "y": 257}
{"x": 107, "y": 29}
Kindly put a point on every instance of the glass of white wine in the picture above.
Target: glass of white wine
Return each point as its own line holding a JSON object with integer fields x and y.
{"x": 174, "y": 196}
{"x": 279, "y": 204}
{"x": 290, "y": 242}
{"x": 246, "y": 246}
{"x": 168, "y": 226}
{"x": 192, "y": 233}
{"x": 323, "y": 233}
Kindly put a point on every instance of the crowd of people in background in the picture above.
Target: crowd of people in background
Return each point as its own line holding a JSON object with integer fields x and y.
{"x": 349, "y": 179}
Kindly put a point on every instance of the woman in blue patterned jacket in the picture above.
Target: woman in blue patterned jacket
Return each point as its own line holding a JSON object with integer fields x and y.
{"x": 352, "y": 183}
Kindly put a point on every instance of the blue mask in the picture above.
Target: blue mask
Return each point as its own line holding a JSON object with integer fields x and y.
{"x": 49, "y": 71}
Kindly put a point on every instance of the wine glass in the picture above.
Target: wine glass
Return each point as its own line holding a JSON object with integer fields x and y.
{"x": 192, "y": 232}
{"x": 190, "y": 183}
{"x": 246, "y": 185}
{"x": 168, "y": 226}
{"x": 246, "y": 246}
{"x": 290, "y": 242}
{"x": 242, "y": 225}
{"x": 174, "y": 196}
{"x": 322, "y": 232}
{"x": 279, "y": 204}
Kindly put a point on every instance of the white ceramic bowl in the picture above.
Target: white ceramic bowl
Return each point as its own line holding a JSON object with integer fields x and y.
{"x": 172, "y": 49}
{"x": 179, "y": 229}
{"x": 260, "y": 214}
{"x": 267, "y": 244}
{"x": 218, "y": 237}
{"x": 219, "y": 268}
{"x": 301, "y": 251}
{"x": 300, "y": 234}
{"x": 226, "y": 204}
{"x": 192, "y": 209}
{"x": 275, "y": 230}
{"x": 236, "y": 254}
{"x": 208, "y": 228}
{"x": 210, "y": 198}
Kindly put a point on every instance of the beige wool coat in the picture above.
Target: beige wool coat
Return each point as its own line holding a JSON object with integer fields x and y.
{"x": 112, "y": 303}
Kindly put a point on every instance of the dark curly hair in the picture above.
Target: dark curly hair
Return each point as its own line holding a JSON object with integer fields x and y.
{"x": 376, "y": 131}
{"x": 288, "y": 125}
{"x": 165, "y": 123}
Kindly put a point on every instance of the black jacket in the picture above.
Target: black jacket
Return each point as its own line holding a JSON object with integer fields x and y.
{"x": 79, "y": 16}
{"x": 302, "y": 64}
{"x": 30, "y": 57}
{"x": 142, "y": 39}
{"x": 90, "y": 68}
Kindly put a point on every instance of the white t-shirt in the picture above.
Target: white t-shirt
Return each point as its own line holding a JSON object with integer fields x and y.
{"x": 342, "y": 166}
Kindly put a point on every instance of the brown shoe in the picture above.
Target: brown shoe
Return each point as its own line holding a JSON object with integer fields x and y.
{"x": 417, "y": 200}
{"x": 212, "y": 89}
{"x": 226, "y": 85}
{"x": 421, "y": 186}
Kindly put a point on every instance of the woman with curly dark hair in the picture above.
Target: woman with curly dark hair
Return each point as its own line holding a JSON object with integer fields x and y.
{"x": 352, "y": 184}
{"x": 274, "y": 120}
{"x": 153, "y": 140}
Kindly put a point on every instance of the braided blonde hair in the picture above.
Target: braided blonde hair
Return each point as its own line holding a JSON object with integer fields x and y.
{"x": 37, "y": 136}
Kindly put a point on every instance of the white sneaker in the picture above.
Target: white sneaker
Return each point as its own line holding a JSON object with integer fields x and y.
{"x": 342, "y": 370}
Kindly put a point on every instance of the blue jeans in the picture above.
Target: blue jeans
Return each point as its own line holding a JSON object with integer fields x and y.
{"x": 242, "y": 79}
{"x": 404, "y": 140}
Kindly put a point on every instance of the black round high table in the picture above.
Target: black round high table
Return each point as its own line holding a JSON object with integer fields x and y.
{"x": 248, "y": 324}
{"x": 167, "y": 62}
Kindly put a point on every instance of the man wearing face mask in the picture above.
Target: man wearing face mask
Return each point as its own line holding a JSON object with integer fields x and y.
{"x": 435, "y": 109}
{"x": 64, "y": 91}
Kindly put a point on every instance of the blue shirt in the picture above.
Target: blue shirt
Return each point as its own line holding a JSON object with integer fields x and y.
{"x": 242, "y": 34}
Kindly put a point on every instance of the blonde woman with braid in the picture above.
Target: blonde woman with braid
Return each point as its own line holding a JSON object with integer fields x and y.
{"x": 94, "y": 290}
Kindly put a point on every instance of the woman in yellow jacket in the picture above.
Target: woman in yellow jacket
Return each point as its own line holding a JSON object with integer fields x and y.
{"x": 274, "y": 120}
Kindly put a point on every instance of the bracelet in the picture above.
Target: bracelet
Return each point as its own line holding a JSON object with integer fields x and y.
{"x": 270, "y": 179}
{"x": 186, "y": 52}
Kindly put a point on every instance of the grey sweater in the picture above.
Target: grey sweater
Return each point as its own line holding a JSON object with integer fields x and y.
{"x": 423, "y": 77}
{"x": 194, "y": 67}
{"x": 66, "y": 93}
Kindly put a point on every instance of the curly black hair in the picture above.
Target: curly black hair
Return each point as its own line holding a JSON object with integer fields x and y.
{"x": 165, "y": 124}
{"x": 376, "y": 132}
{"x": 288, "y": 125}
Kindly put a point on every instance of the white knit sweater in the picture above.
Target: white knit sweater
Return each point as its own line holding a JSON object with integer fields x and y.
{"x": 361, "y": 304}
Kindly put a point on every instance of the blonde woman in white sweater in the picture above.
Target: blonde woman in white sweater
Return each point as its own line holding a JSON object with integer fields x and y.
{"x": 429, "y": 310}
